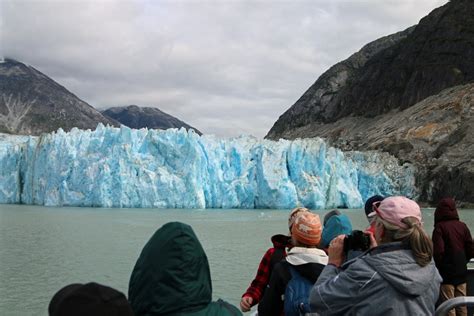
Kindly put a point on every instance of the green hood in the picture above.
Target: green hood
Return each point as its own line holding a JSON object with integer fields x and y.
{"x": 171, "y": 275}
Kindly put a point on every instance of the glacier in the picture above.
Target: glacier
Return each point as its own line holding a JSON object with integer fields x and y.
{"x": 123, "y": 167}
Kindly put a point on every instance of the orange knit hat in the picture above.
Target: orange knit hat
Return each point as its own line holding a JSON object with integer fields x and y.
{"x": 307, "y": 228}
{"x": 294, "y": 212}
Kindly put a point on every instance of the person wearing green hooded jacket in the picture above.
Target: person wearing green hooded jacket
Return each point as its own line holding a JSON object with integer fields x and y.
{"x": 172, "y": 277}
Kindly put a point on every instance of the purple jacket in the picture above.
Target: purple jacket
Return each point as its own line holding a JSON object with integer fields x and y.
{"x": 452, "y": 243}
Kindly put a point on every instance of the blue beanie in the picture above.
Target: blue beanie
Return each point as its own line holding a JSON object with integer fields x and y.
{"x": 335, "y": 226}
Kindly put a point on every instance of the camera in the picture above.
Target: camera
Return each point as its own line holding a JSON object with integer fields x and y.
{"x": 357, "y": 240}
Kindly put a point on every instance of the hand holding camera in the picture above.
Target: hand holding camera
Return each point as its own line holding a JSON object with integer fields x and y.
{"x": 342, "y": 244}
{"x": 336, "y": 251}
{"x": 357, "y": 241}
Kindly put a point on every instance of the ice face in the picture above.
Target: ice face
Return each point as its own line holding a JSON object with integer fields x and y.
{"x": 122, "y": 167}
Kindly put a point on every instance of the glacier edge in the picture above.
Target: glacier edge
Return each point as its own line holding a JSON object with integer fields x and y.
{"x": 123, "y": 167}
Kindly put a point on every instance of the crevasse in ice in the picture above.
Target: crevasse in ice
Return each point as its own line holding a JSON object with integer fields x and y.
{"x": 122, "y": 167}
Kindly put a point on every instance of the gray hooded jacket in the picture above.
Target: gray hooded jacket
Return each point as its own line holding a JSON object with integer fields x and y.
{"x": 385, "y": 280}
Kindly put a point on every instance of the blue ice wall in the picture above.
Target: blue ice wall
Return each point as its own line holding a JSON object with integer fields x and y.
{"x": 122, "y": 167}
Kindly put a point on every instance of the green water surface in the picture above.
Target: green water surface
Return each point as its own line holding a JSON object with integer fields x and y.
{"x": 44, "y": 248}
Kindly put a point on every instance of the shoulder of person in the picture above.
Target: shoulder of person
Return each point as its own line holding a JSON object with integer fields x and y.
{"x": 360, "y": 265}
{"x": 467, "y": 227}
{"x": 282, "y": 270}
{"x": 225, "y": 308}
{"x": 268, "y": 253}
{"x": 281, "y": 266}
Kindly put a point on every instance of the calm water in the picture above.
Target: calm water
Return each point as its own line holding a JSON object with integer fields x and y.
{"x": 42, "y": 249}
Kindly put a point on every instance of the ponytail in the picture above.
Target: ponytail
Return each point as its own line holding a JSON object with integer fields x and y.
{"x": 420, "y": 244}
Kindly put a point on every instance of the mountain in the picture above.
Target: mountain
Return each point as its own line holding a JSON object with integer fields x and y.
{"x": 137, "y": 117}
{"x": 31, "y": 103}
{"x": 408, "y": 94}
{"x": 319, "y": 102}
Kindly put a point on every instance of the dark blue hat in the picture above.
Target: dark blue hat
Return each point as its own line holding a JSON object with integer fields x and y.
{"x": 90, "y": 299}
{"x": 370, "y": 201}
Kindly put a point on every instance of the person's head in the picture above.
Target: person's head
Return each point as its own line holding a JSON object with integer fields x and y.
{"x": 171, "y": 275}
{"x": 368, "y": 206}
{"x": 89, "y": 299}
{"x": 399, "y": 219}
{"x": 335, "y": 225}
{"x": 306, "y": 230}
{"x": 294, "y": 212}
{"x": 446, "y": 210}
{"x": 330, "y": 214}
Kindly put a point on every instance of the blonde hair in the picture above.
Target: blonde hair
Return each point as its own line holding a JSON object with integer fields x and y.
{"x": 420, "y": 244}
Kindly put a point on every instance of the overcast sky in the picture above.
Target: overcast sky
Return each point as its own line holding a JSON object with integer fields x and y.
{"x": 225, "y": 67}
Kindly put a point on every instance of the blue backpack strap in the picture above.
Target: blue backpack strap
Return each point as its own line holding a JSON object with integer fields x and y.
{"x": 292, "y": 270}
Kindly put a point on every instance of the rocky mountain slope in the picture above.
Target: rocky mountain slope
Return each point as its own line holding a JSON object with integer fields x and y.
{"x": 138, "y": 117}
{"x": 319, "y": 102}
{"x": 394, "y": 95}
{"x": 436, "y": 134}
{"x": 31, "y": 103}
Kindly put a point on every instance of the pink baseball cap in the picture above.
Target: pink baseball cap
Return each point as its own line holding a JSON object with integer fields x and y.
{"x": 395, "y": 208}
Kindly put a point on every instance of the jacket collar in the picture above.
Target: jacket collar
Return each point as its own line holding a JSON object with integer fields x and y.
{"x": 281, "y": 241}
{"x": 392, "y": 246}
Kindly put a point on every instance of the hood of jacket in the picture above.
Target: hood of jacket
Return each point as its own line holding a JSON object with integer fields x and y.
{"x": 398, "y": 267}
{"x": 281, "y": 241}
{"x": 446, "y": 210}
{"x": 309, "y": 262}
{"x": 301, "y": 255}
{"x": 171, "y": 274}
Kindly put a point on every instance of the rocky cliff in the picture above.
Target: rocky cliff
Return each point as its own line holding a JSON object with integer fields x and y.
{"x": 139, "y": 117}
{"x": 397, "y": 98}
{"x": 31, "y": 103}
{"x": 436, "y": 134}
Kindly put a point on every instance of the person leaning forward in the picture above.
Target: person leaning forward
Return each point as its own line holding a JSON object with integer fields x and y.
{"x": 397, "y": 276}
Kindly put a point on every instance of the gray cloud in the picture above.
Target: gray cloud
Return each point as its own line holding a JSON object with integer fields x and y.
{"x": 227, "y": 68}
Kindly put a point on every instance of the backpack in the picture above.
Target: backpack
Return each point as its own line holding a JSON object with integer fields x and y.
{"x": 296, "y": 302}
